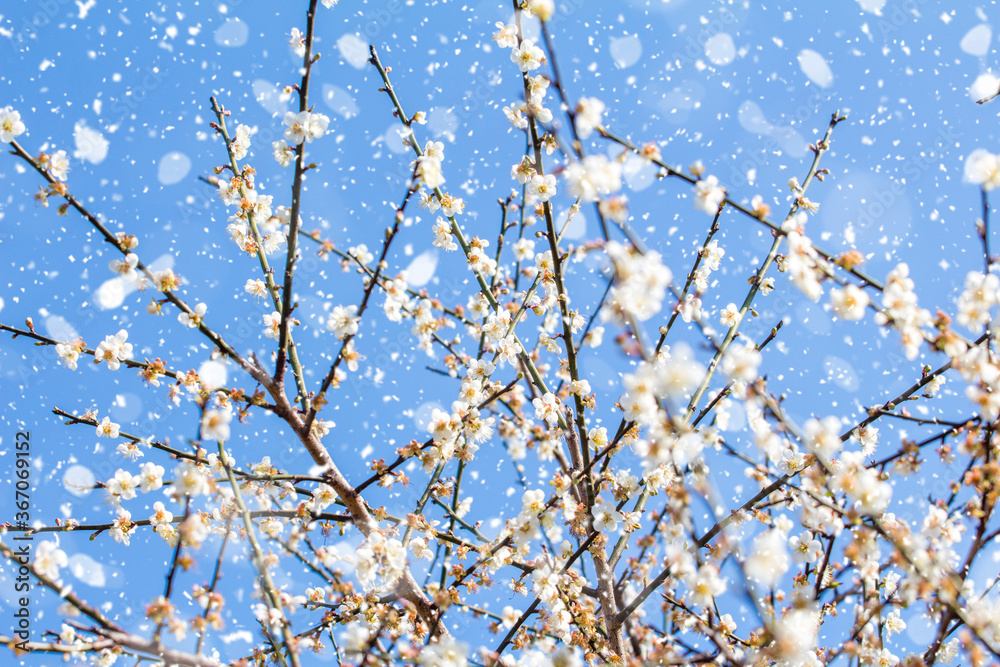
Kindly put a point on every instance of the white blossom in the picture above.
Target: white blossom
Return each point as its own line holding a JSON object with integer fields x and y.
{"x": 606, "y": 516}
{"x": 343, "y": 321}
{"x": 215, "y": 425}
{"x": 305, "y": 126}
{"x": 589, "y": 112}
{"x": 527, "y": 57}
{"x": 982, "y": 168}
{"x": 113, "y": 350}
{"x": 11, "y": 126}
{"x": 849, "y": 303}
{"x": 708, "y": 195}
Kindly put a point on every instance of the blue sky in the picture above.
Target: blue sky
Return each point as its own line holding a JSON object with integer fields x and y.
{"x": 740, "y": 87}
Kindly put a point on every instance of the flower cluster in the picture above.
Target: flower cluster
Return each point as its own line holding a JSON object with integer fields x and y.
{"x": 429, "y": 165}
{"x": 803, "y": 263}
{"x": 518, "y": 352}
{"x": 113, "y": 350}
{"x": 380, "y": 559}
{"x": 640, "y": 286}
{"x": 305, "y": 126}
{"x": 56, "y": 164}
{"x": 594, "y": 177}
{"x": 708, "y": 195}
{"x": 899, "y": 303}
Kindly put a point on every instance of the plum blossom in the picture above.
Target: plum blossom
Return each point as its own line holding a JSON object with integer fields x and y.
{"x": 69, "y": 353}
{"x": 606, "y": 516}
{"x": 524, "y": 249}
{"x": 805, "y": 548}
{"x": 543, "y": 187}
{"x": 271, "y": 526}
{"x": 321, "y": 427}
{"x": 166, "y": 280}
{"x": 442, "y": 235}
{"x": 893, "y": 623}
{"x": 527, "y": 57}
{"x": 57, "y": 164}
{"x": 343, "y": 321}
{"x": 305, "y": 126}
{"x": 537, "y": 87}
{"x": 451, "y": 206}
{"x": 803, "y": 262}
{"x": 107, "y": 428}
{"x": 161, "y": 515}
{"x": 795, "y": 637}
{"x": 768, "y": 559}
{"x": 981, "y": 293}
{"x": 589, "y": 112}
{"x": 10, "y": 125}
{"x": 122, "y": 486}
{"x": 680, "y": 373}
{"x": 125, "y": 267}
{"x": 241, "y": 142}
{"x": 506, "y": 35}
{"x": 523, "y": 170}
{"x": 730, "y": 315}
{"x": 429, "y": 169}
{"x": 354, "y": 640}
{"x": 515, "y": 116}
{"x": 272, "y": 324}
{"x": 982, "y": 168}
{"x": 445, "y": 652}
{"x": 547, "y": 407}
{"x": 705, "y": 584}
{"x": 379, "y": 556}
{"x": 741, "y": 362}
{"x": 862, "y": 485}
{"x": 543, "y": 9}
{"x": 48, "y": 559}
{"x": 113, "y": 350}
{"x": 283, "y": 153}
{"x": 323, "y": 497}
{"x": 868, "y": 437}
{"x": 298, "y": 42}
{"x": 194, "y": 319}
{"x": 151, "y": 477}
{"x": 899, "y": 301}
{"x": 849, "y": 303}
{"x": 215, "y": 425}
{"x": 122, "y": 527}
{"x": 823, "y": 437}
{"x": 192, "y": 531}
{"x": 594, "y": 177}
{"x": 708, "y": 195}
{"x": 641, "y": 284}
{"x": 255, "y": 287}
{"x": 690, "y": 308}
{"x": 189, "y": 480}
{"x": 615, "y": 208}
